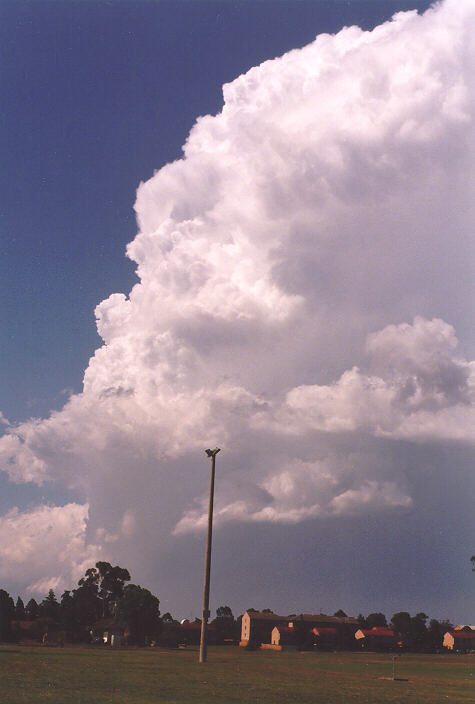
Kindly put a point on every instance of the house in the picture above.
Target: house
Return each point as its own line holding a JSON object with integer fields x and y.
{"x": 376, "y": 638}
{"x": 190, "y": 633}
{"x": 110, "y": 632}
{"x": 282, "y": 638}
{"x": 325, "y": 637}
{"x": 345, "y": 627}
{"x": 257, "y": 626}
{"x": 459, "y": 641}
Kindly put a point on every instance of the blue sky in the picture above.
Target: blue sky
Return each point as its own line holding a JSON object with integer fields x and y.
{"x": 97, "y": 98}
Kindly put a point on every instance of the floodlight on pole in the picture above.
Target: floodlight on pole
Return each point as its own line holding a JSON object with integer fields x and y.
{"x": 206, "y": 613}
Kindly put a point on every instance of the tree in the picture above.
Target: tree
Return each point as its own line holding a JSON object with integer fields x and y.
{"x": 419, "y": 632}
{"x": 376, "y": 620}
{"x": 401, "y": 622}
{"x": 412, "y": 630}
{"x": 106, "y": 584}
{"x": 32, "y": 610}
{"x": 361, "y": 621}
{"x": 68, "y": 614}
{"x": 472, "y": 560}
{"x": 111, "y": 585}
{"x": 139, "y": 609}
{"x": 49, "y": 607}
{"x": 224, "y": 623}
{"x": 7, "y": 613}
{"x": 224, "y": 612}
{"x": 435, "y": 634}
{"x": 340, "y": 614}
{"x": 86, "y": 602}
{"x": 19, "y": 609}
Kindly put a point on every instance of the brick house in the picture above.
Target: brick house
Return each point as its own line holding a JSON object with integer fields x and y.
{"x": 376, "y": 638}
{"x": 459, "y": 641}
{"x": 257, "y": 626}
{"x": 325, "y": 638}
{"x": 282, "y": 638}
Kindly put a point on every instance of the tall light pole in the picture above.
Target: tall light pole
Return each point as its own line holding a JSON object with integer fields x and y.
{"x": 206, "y": 614}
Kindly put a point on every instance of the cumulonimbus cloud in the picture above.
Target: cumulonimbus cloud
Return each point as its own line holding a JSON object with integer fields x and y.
{"x": 303, "y": 277}
{"x": 45, "y": 547}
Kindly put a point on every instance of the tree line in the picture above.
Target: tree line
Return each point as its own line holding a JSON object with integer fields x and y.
{"x": 102, "y": 595}
{"x": 104, "y": 598}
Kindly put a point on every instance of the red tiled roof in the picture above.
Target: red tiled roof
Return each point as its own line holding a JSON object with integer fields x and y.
{"x": 324, "y": 631}
{"x": 462, "y": 634}
{"x": 379, "y": 631}
{"x": 265, "y": 616}
{"x": 321, "y": 618}
{"x": 194, "y": 627}
{"x": 324, "y": 618}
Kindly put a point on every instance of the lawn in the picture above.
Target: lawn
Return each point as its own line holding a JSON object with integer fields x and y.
{"x": 95, "y": 675}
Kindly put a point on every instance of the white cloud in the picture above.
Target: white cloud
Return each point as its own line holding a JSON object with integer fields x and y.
{"x": 372, "y": 494}
{"x": 421, "y": 390}
{"x": 45, "y": 548}
{"x": 324, "y": 209}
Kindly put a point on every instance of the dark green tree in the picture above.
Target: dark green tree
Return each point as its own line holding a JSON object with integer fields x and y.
{"x": 224, "y": 623}
{"x": 111, "y": 585}
{"x": 419, "y": 632}
{"x": 224, "y": 612}
{"x": 340, "y": 613}
{"x": 106, "y": 583}
{"x": 68, "y": 617}
{"x": 7, "y": 614}
{"x": 361, "y": 620}
{"x": 376, "y": 620}
{"x": 49, "y": 607}
{"x": 139, "y": 609}
{"x": 435, "y": 634}
{"x": 19, "y": 609}
{"x": 32, "y": 610}
{"x": 86, "y": 603}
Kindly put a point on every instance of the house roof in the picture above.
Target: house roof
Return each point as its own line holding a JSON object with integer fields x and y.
{"x": 469, "y": 635}
{"x": 325, "y": 631}
{"x": 193, "y": 626}
{"x": 379, "y": 631}
{"x": 265, "y": 616}
{"x": 322, "y": 618}
{"x": 284, "y": 629}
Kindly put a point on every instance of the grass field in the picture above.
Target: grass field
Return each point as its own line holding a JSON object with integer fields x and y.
{"x": 91, "y": 675}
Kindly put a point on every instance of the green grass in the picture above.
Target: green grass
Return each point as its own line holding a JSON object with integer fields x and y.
{"x": 87, "y": 675}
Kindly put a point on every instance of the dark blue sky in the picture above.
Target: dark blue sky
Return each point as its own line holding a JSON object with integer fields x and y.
{"x": 95, "y": 97}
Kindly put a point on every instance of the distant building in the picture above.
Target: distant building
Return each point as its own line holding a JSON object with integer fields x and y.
{"x": 376, "y": 638}
{"x": 325, "y": 638}
{"x": 190, "y": 633}
{"x": 282, "y": 637}
{"x": 303, "y": 631}
{"x": 110, "y": 632}
{"x": 459, "y": 641}
{"x": 257, "y": 626}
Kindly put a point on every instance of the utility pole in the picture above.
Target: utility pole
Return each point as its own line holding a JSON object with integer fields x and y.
{"x": 206, "y": 613}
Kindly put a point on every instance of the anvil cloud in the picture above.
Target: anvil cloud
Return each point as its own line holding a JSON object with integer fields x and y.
{"x": 303, "y": 302}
